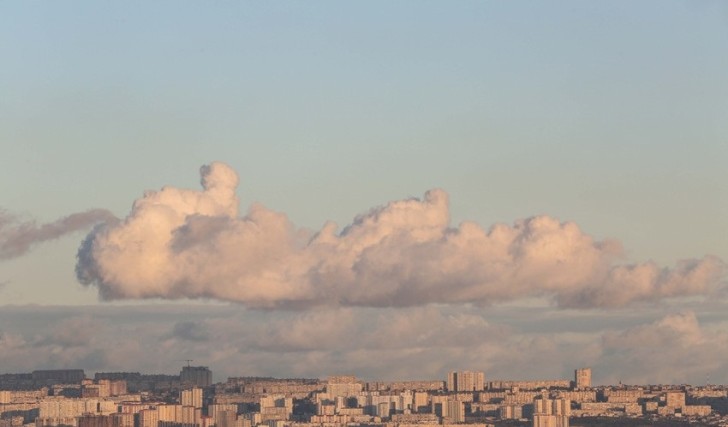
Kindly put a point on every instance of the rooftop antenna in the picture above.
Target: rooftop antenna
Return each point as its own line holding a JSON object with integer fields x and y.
{"x": 188, "y": 361}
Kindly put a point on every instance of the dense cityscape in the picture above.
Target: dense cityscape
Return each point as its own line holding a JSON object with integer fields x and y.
{"x": 68, "y": 398}
{"x": 363, "y": 214}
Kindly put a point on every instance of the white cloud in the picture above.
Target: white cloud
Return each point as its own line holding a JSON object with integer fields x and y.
{"x": 178, "y": 243}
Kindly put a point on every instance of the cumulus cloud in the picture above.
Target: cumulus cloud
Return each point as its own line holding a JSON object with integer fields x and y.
{"x": 178, "y": 243}
{"x": 668, "y": 350}
{"x": 17, "y": 237}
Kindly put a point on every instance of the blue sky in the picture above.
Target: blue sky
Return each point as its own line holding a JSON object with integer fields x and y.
{"x": 610, "y": 114}
{"x": 613, "y": 115}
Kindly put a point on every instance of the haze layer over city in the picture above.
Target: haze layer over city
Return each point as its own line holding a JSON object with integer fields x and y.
{"x": 390, "y": 190}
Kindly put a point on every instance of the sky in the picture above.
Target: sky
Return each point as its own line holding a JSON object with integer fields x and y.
{"x": 477, "y": 185}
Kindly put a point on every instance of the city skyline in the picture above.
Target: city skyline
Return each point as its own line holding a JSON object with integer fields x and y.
{"x": 387, "y": 188}
{"x": 69, "y": 397}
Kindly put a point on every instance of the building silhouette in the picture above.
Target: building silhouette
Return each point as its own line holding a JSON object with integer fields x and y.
{"x": 200, "y": 376}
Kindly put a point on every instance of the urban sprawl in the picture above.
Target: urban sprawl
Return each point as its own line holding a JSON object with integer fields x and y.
{"x": 49, "y": 398}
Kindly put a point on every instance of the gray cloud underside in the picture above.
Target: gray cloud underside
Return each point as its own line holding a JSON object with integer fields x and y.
{"x": 374, "y": 343}
{"x": 178, "y": 243}
{"x": 17, "y": 237}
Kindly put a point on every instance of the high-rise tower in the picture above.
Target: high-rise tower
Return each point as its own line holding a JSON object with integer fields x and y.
{"x": 466, "y": 381}
{"x": 582, "y": 378}
{"x": 200, "y": 376}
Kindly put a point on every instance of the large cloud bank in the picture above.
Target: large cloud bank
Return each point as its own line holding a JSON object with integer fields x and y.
{"x": 633, "y": 346}
{"x": 178, "y": 243}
